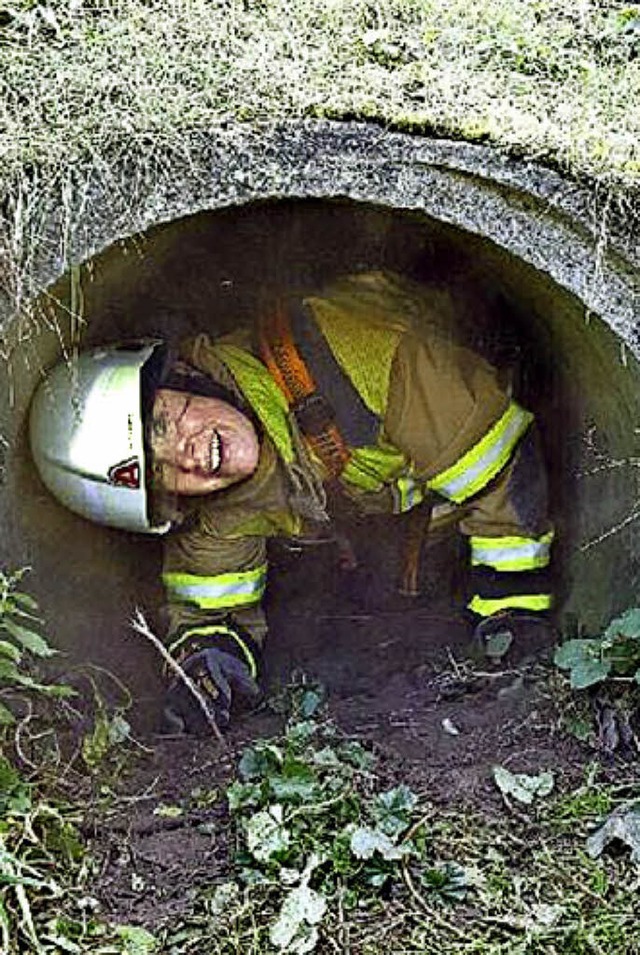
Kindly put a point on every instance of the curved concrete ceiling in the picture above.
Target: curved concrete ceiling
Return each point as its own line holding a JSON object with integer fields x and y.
{"x": 568, "y": 251}
{"x": 569, "y": 232}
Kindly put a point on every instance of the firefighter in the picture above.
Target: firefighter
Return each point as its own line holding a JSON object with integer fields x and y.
{"x": 361, "y": 391}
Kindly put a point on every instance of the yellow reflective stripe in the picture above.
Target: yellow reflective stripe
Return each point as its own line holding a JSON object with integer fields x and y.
{"x": 371, "y": 467}
{"x": 512, "y": 553}
{"x": 219, "y": 592}
{"x": 486, "y": 606}
{"x": 210, "y": 631}
{"x": 409, "y": 493}
{"x": 478, "y": 466}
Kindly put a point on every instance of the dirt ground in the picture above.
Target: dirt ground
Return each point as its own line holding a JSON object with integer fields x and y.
{"x": 398, "y": 678}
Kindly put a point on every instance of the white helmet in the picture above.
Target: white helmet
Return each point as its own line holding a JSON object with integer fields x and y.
{"x": 87, "y": 436}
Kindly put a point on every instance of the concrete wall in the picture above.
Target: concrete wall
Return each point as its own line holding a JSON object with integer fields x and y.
{"x": 191, "y": 247}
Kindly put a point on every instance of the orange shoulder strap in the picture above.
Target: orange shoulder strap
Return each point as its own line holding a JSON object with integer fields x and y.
{"x": 313, "y": 412}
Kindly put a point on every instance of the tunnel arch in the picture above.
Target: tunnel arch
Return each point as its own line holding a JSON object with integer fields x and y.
{"x": 125, "y": 252}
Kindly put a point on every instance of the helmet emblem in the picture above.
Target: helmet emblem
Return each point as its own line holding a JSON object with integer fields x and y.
{"x": 125, "y": 474}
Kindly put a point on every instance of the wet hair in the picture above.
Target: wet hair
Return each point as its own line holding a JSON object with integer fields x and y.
{"x": 165, "y": 370}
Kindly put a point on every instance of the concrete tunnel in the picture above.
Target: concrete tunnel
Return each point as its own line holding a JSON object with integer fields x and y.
{"x": 191, "y": 248}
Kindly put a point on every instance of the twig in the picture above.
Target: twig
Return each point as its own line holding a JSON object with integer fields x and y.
{"x": 343, "y": 931}
{"x": 18, "y": 737}
{"x": 140, "y": 625}
{"x": 633, "y": 516}
{"x": 408, "y": 881}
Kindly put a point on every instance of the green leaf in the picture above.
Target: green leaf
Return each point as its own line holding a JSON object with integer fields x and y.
{"x": 584, "y": 659}
{"x": 225, "y": 897}
{"x": 310, "y": 702}
{"x": 294, "y": 931}
{"x": 293, "y": 789}
{"x": 108, "y": 731}
{"x": 137, "y": 941}
{"x": 622, "y": 825}
{"x": 29, "y": 639}
{"x": 365, "y": 842}
{"x": 168, "y": 812}
{"x": 356, "y": 755}
{"x": 10, "y": 650}
{"x": 15, "y": 795}
{"x": 579, "y": 727}
{"x": 96, "y": 744}
{"x": 392, "y": 809}
{"x": 25, "y": 600}
{"x": 258, "y": 761}
{"x": 295, "y": 783}
{"x": 9, "y": 672}
{"x": 522, "y": 787}
{"x": 266, "y": 833}
{"x": 326, "y": 758}
{"x": 447, "y": 879}
{"x": 588, "y": 673}
{"x": 6, "y": 716}
{"x": 9, "y": 776}
{"x": 576, "y": 652}
{"x": 244, "y": 794}
{"x": 626, "y": 625}
{"x": 301, "y": 732}
{"x": 60, "y": 690}
{"x": 119, "y": 729}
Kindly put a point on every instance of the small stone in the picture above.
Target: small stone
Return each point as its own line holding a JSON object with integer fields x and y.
{"x": 450, "y": 727}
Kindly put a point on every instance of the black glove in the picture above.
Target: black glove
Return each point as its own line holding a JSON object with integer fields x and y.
{"x": 514, "y": 635}
{"x": 224, "y": 681}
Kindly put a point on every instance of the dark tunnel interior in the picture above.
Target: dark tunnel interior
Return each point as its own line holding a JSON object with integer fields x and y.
{"x": 213, "y": 271}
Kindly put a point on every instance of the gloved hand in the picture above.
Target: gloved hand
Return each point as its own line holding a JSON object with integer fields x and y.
{"x": 514, "y": 635}
{"x": 223, "y": 680}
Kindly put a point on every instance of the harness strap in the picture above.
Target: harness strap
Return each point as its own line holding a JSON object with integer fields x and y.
{"x": 314, "y": 414}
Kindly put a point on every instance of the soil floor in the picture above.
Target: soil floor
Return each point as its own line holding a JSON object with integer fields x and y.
{"x": 398, "y": 677}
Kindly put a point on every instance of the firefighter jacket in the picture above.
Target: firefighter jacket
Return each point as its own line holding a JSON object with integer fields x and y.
{"x": 431, "y": 418}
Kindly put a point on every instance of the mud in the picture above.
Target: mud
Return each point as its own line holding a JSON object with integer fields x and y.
{"x": 398, "y": 676}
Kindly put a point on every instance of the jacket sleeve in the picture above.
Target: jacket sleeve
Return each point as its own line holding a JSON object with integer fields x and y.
{"x": 449, "y": 414}
{"x": 469, "y": 442}
{"x": 214, "y": 587}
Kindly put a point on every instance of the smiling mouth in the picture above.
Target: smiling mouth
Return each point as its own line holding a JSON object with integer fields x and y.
{"x": 215, "y": 452}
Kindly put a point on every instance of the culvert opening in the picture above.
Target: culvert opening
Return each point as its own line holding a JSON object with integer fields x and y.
{"x": 210, "y": 272}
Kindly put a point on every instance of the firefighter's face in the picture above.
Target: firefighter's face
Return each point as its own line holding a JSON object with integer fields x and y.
{"x": 199, "y": 444}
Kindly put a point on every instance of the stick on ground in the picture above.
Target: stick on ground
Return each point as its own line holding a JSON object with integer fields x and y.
{"x": 140, "y": 625}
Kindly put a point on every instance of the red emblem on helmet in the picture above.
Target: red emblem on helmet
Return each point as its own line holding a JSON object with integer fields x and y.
{"x": 125, "y": 474}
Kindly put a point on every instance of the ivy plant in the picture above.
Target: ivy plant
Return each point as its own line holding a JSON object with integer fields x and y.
{"x": 615, "y": 653}
{"x": 315, "y": 833}
{"x": 21, "y": 645}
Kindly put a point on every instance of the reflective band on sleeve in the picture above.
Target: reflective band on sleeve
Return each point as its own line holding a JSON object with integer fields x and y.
{"x": 512, "y": 553}
{"x": 478, "y": 466}
{"x": 486, "y": 606}
{"x": 220, "y": 592}
{"x": 212, "y": 630}
{"x": 408, "y": 493}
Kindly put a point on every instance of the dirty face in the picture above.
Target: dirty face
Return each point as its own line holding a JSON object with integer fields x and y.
{"x": 198, "y": 444}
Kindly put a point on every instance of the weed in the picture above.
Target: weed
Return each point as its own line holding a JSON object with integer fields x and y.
{"x": 615, "y": 653}
{"x": 21, "y": 644}
{"x": 45, "y": 907}
{"x": 315, "y": 836}
{"x": 327, "y": 857}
